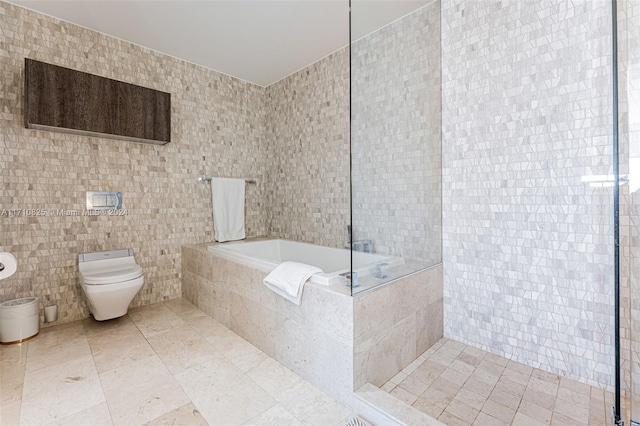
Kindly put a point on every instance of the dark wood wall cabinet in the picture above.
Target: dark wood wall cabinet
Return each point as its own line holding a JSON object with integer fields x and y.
{"x": 64, "y": 100}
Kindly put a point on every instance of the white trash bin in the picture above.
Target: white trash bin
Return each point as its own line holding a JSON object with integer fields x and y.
{"x": 19, "y": 319}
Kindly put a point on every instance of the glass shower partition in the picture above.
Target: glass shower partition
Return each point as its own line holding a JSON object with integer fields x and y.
{"x": 396, "y": 161}
{"x": 629, "y": 90}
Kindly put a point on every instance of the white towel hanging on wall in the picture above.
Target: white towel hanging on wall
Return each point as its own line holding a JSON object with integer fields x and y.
{"x": 228, "y": 209}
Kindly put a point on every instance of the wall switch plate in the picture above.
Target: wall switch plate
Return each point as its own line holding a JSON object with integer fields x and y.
{"x": 99, "y": 200}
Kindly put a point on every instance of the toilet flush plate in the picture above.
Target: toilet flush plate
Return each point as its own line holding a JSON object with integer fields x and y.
{"x": 101, "y": 200}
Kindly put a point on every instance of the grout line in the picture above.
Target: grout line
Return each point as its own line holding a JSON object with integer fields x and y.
{"x": 104, "y": 394}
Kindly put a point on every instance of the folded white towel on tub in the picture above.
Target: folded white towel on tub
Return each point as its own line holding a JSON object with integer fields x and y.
{"x": 288, "y": 278}
{"x": 227, "y": 196}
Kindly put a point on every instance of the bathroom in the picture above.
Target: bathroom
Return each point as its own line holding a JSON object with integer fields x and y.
{"x": 471, "y": 142}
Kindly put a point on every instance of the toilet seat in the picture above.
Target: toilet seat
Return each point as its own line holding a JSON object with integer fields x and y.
{"x": 112, "y": 277}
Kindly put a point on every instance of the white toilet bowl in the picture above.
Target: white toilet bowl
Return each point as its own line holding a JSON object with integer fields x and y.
{"x": 110, "y": 280}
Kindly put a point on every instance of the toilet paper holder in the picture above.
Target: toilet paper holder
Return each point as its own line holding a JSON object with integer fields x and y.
{"x": 8, "y": 265}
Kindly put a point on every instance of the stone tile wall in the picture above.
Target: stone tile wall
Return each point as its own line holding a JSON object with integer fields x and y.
{"x": 397, "y": 175}
{"x": 396, "y": 140}
{"x": 308, "y": 147}
{"x": 217, "y": 129}
{"x": 528, "y": 259}
{"x": 293, "y": 137}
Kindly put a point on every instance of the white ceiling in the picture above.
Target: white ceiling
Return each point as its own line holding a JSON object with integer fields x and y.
{"x": 260, "y": 41}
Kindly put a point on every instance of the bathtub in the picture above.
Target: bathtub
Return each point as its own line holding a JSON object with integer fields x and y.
{"x": 332, "y": 340}
{"x": 267, "y": 254}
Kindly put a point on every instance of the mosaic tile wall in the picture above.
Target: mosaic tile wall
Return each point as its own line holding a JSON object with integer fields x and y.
{"x": 396, "y": 148}
{"x": 308, "y": 134}
{"x": 217, "y": 129}
{"x": 308, "y": 146}
{"x": 527, "y": 247}
{"x": 292, "y": 137}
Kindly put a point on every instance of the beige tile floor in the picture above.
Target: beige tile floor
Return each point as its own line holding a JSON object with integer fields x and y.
{"x": 462, "y": 385}
{"x": 162, "y": 364}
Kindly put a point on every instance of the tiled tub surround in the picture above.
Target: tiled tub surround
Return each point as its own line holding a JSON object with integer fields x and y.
{"x": 331, "y": 339}
{"x": 314, "y": 339}
{"x": 527, "y": 249}
{"x": 394, "y": 324}
{"x": 217, "y": 125}
{"x": 396, "y": 141}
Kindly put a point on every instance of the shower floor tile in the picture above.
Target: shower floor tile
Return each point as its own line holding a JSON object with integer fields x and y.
{"x": 463, "y": 385}
{"x": 167, "y": 363}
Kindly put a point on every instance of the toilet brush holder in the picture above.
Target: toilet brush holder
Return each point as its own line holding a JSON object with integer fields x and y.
{"x": 51, "y": 313}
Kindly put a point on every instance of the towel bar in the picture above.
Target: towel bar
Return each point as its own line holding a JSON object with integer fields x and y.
{"x": 208, "y": 179}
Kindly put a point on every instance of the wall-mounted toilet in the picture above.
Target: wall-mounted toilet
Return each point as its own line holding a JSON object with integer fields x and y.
{"x": 110, "y": 280}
